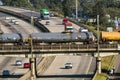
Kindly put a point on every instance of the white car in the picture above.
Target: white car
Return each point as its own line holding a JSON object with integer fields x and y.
{"x": 18, "y": 62}
{"x": 68, "y": 65}
{"x": 7, "y": 18}
{"x": 13, "y": 20}
{"x": 16, "y": 22}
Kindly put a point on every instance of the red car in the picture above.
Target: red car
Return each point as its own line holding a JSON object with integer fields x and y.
{"x": 26, "y": 65}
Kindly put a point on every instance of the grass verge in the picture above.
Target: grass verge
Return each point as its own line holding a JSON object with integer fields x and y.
{"x": 106, "y": 65}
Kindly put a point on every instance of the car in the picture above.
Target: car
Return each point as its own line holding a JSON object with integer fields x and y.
{"x": 26, "y": 65}
{"x": 16, "y": 22}
{"x": 39, "y": 19}
{"x": 47, "y": 22}
{"x": 51, "y": 15}
{"x": 7, "y": 18}
{"x": 5, "y": 72}
{"x": 68, "y": 65}
{"x": 18, "y": 62}
{"x": 13, "y": 20}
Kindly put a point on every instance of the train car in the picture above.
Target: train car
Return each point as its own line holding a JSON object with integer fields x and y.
{"x": 86, "y": 37}
{"x": 53, "y": 37}
{"x": 11, "y": 38}
{"x": 110, "y": 36}
{"x": 47, "y": 37}
{"x": 62, "y": 37}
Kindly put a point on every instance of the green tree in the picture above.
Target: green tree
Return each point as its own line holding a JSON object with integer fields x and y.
{"x": 86, "y": 7}
{"x": 99, "y": 9}
{"x": 67, "y": 7}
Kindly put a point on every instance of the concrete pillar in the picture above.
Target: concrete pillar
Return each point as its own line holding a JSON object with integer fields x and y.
{"x": 33, "y": 68}
{"x": 99, "y": 64}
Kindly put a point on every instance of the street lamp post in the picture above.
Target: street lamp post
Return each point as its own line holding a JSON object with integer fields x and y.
{"x": 98, "y": 39}
{"x": 76, "y": 9}
{"x": 32, "y": 61}
{"x": 32, "y": 58}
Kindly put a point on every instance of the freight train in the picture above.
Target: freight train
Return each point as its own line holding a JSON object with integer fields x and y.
{"x": 85, "y": 37}
{"x": 48, "y": 37}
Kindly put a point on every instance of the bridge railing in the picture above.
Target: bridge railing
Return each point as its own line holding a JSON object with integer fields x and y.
{"x": 57, "y": 46}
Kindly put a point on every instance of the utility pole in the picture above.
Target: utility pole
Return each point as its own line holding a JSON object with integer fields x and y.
{"x": 76, "y": 9}
{"x": 98, "y": 37}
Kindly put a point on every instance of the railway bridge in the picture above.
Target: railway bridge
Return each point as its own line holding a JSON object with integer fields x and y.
{"x": 56, "y": 49}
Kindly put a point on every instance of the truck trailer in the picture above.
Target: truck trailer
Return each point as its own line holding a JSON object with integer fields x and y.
{"x": 68, "y": 27}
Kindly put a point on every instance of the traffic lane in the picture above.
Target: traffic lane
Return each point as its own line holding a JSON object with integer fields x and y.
{"x": 16, "y": 72}
{"x": 57, "y": 70}
{"x": 84, "y": 68}
{"x": 92, "y": 69}
{"x": 54, "y": 26}
{"x": 24, "y": 26}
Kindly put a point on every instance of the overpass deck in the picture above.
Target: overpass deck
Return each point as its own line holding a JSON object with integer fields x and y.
{"x": 61, "y": 48}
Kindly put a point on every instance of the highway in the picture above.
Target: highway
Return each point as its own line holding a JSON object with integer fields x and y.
{"x": 68, "y": 58}
{"x": 83, "y": 68}
{"x": 55, "y": 22}
{"x": 8, "y": 63}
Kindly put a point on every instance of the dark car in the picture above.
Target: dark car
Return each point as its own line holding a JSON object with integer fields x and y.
{"x": 5, "y": 72}
{"x": 39, "y": 19}
{"x": 47, "y": 22}
{"x": 51, "y": 15}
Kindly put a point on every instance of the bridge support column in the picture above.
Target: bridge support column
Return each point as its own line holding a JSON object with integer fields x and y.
{"x": 99, "y": 64}
{"x": 33, "y": 68}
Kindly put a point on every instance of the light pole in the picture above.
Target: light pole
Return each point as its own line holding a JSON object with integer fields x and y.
{"x": 76, "y": 9}
{"x": 32, "y": 58}
{"x": 32, "y": 61}
{"x": 98, "y": 39}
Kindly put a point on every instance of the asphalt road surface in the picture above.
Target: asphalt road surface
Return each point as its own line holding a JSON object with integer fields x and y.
{"x": 83, "y": 68}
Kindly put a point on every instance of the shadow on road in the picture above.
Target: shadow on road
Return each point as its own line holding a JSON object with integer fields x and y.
{"x": 11, "y": 76}
{"x": 67, "y": 76}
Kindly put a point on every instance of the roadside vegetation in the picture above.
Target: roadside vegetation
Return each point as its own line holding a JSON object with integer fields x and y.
{"x": 107, "y": 64}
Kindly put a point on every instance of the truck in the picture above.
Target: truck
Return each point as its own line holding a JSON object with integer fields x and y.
{"x": 64, "y": 20}
{"x": 44, "y": 14}
{"x": 68, "y": 27}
